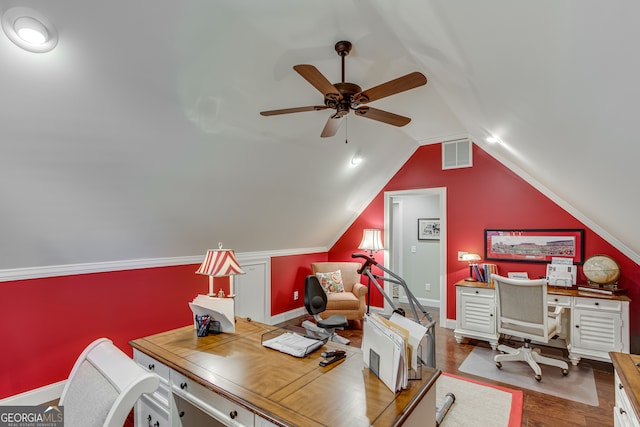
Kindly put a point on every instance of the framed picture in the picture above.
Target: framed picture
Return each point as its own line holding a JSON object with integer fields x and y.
{"x": 534, "y": 245}
{"x": 428, "y": 228}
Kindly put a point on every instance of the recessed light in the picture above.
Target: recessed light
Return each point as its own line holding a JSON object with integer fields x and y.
{"x": 29, "y": 30}
{"x": 356, "y": 159}
{"x": 492, "y": 139}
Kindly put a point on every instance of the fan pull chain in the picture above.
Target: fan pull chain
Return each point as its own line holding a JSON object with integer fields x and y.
{"x": 346, "y": 130}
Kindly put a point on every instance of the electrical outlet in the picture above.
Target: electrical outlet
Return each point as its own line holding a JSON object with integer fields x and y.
{"x": 427, "y": 287}
{"x": 295, "y": 295}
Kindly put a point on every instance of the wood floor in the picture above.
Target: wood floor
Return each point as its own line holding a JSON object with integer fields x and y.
{"x": 539, "y": 409}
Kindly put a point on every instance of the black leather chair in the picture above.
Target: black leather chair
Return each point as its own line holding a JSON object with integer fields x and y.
{"x": 315, "y": 301}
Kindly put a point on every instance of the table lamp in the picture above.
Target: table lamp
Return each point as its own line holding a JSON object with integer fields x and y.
{"x": 470, "y": 258}
{"x": 371, "y": 241}
{"x": 220, "y": 263}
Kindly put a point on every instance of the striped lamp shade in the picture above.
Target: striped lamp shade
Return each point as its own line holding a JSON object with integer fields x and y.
{"x": 220, "y": 263}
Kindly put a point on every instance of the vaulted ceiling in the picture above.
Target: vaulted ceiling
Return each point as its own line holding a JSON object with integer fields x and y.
{"x": 139, "y": 136}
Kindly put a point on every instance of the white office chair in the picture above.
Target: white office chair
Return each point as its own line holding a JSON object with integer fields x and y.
{"x": 103, "y": 386}
{"x": 522, "y": 312}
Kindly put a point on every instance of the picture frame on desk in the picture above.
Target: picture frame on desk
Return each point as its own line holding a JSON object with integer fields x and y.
{"x": 534, "y": 245}
{"x": 428, "y": 228}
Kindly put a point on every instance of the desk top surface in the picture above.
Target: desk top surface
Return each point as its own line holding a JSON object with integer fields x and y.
{"x": 286, "y": 390}
{"x": 553, "y": 290}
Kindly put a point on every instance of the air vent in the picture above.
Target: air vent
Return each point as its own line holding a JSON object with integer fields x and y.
{"x": 457, "y": 154}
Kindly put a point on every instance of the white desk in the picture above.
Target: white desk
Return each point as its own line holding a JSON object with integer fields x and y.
{"x": 594, "y": 326}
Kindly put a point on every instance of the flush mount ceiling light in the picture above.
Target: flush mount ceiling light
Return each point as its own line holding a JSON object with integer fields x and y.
{"x": 29, "y": 30}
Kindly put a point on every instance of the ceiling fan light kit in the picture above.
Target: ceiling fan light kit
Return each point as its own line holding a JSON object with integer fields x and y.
{"x": 344, "y": 97}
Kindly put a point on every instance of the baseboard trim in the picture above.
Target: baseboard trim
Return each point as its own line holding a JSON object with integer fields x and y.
{"x": 283, "y": 317}
{"x": 37, "y": 396}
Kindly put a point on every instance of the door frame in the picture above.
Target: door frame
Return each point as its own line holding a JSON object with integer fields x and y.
{"x": 388, "y": 206}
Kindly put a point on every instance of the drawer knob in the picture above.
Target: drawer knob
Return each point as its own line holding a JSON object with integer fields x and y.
{"x": 477, "y": 292}
{"x": 183, "y": 386}
{"x": 156, "y": 424}
{"x": 152, "y": 366}
{"x": 555, "y": 299}
{"x": 597, "y": 303}
{"x": 577, "y": 326}
{"x": 620, "y": 386}
{"x": 622, "y": 411}
{"x": 181, "y": 414}
{"x": 233, "y": 414}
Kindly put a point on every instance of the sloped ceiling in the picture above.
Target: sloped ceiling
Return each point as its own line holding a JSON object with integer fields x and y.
{"x": 140, "y": 137}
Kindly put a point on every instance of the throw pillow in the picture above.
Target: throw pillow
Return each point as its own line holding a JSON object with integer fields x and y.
{"x": 331, "y": 282}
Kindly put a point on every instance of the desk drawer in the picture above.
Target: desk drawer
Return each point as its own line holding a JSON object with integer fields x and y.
{"x": 559, "y": 300}
{"x": 597, "y": 304}
{"x": 623, "y": 410}
{"x": 224, "y": 410}
{"x": 477, "y": 292}
{"x": 149, "y": 413}
{"x": 151, "y": 364}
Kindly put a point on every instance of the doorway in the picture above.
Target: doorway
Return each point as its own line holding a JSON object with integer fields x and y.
{"x": 420, "y": 262}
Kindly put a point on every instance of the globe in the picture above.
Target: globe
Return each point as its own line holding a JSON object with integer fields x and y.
{"x": 601, "y": 270}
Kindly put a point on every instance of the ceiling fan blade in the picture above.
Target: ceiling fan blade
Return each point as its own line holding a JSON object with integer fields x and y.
{"x": 410, "y": 81}
{"x": 318, "y": 80}
{"x": 293, "y": 110}
{"x": 332, "y": 126}
{"x": 382, "y": 116}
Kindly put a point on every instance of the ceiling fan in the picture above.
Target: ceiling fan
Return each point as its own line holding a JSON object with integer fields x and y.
{"x": 344, "y": 97}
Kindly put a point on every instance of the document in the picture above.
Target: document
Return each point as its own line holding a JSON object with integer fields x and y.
{"x": 561, "y": 272}
{"x": 293, "y": 344}
{"x": 220, "y": 309}
{"x": 417, "y": 338}
{"x": 384, "y": 352}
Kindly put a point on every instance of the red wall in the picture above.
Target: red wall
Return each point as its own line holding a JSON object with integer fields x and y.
{"x": 488, "y": 195}
{"x": 287, "y": 275}
{"x": 46, "y": 323}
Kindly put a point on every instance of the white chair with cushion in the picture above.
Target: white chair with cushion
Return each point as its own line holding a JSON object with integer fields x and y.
{"x": 103, "y": 386}
{"x": 522, "y": 312}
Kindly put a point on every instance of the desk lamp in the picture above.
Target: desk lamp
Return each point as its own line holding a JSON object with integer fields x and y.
{"x": 470, "y": 258}
{"x": 220, "y": 263}
{"x": 371, "y": 242}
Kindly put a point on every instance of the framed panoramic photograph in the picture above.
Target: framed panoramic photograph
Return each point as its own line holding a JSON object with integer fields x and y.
{"x": 534, "y": 245}
{"x": 428, "y": 228}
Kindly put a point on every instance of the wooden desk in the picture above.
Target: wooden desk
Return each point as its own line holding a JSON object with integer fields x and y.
{"x": 593, "y": 326}
{"x": 264, "y": 387}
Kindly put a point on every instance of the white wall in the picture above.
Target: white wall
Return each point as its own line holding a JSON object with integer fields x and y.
{"x": 420, "y": 258}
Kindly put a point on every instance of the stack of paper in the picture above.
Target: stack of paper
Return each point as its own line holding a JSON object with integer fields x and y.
{"x": 220, "y": 309}
{"x": 417, "y": 339}
{"x": 293, "y": 344}
{"x": 386, "y": 350}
